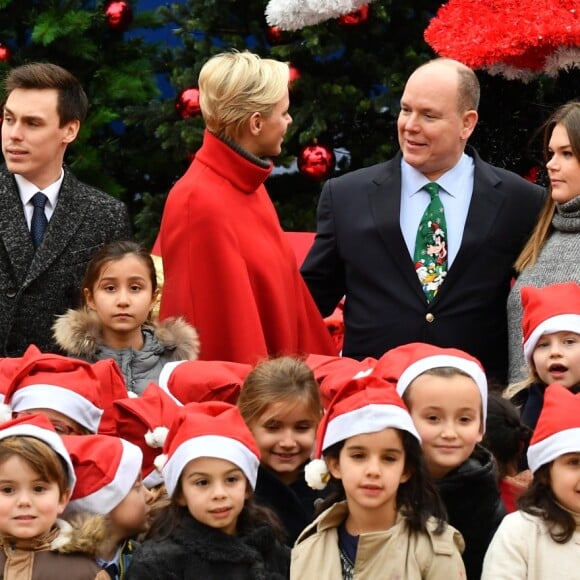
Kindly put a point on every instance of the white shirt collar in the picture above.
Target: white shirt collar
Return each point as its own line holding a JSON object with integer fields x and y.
{"x": 27, "y": 189}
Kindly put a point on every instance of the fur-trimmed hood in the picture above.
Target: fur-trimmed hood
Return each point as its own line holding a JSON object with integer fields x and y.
{"x": 81, "y": 535}
{"x": 79, "y": 334}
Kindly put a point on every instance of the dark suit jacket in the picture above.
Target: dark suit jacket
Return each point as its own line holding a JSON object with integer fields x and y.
{"x": 359, "y": 251}
{"x": 36, "y": 286}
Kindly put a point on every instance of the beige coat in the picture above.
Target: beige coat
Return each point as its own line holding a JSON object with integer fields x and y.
{"x": 522, "y": 549}
{"x": 393, "y": 554}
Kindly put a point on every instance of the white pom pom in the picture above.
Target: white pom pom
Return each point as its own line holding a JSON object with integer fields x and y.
{"x": 5, "y": 413}
{"x": 316, "y": 474}
{"x": 157, "y": 437}
{"x": 160, "y": 462}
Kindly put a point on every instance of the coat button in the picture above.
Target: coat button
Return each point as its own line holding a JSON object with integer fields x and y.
{"x": 429, "y": 317}
{"x": 11, "y": 292}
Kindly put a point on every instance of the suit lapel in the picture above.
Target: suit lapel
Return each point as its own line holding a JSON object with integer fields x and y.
{"x": 385, "y": 205}
{"x": 14, "y": 232}
{"x": 486, "y": 203}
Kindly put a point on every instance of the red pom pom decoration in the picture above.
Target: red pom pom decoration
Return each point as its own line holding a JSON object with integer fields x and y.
{"x": 355, "y": 18}
{"x": 316, "y": 162}
{"x": 515, "y": 38}
{"x": 119, "y": 15}
{"x": 187, "y": 103}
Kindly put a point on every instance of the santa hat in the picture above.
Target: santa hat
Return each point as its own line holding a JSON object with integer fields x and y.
{"x": 113, "y": 387}
{"x": 145, "y": 421}
{"x": 38, "y": 426}
{"x": 199, "y": 380}
{"x": 333, "y": 372}
{"x": 403, "y": 364}
{"x": 209, "y": 429}
{"x": 51, "y": 381}
{"x": 558, "y": 428}
{"x": 106, "y": 468}
{"x": 364, "y": 405}
{"x": 554, "y": 308}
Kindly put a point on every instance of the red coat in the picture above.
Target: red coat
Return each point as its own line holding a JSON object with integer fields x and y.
{"x": 228, "y": 267}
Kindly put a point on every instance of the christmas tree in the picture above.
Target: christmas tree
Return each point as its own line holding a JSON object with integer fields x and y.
{"x": 88, "y": 38}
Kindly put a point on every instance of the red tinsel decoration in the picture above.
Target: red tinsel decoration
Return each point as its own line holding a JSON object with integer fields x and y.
{"x": 187, "y": 103}
{"x": 355, "y": 18}
{"x": 119, "y": 15}
{"x": 316, "y": 162}
{"x": 508, "y": 36}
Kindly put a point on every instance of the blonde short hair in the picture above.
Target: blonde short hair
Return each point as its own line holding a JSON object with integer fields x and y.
{"x": 234, "y": 85}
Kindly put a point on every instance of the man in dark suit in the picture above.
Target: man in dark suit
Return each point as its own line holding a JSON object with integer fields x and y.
{"x": 44, "y": 251}
{"x": 368, "y": 222}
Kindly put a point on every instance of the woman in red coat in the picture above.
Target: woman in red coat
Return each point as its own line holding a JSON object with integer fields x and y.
{"x": 227, "y": 265}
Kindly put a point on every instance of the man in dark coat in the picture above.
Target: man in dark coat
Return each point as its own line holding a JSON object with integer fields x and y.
{"x": 368, "y": 221}
{"x": 44, "y": 250}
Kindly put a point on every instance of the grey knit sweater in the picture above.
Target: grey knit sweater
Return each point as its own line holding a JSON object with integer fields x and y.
{"x": 559, "y": 261}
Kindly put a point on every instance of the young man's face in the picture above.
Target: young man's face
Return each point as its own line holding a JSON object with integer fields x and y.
{"x": 447, "y": 414}
{"x": 33, "y": 143}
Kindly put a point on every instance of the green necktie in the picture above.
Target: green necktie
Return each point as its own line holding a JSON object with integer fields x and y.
{"x": 431, "y": 244}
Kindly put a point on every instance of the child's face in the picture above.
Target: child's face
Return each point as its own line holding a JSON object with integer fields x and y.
{"x": 62, "y": 424}
{"x": 565, "y": 480}
{"x": 214, "y": 491}
{"x": 122, "y": 298}
{"x": 556, "y": 358}
{"x": 285, "y": 435}
{"x": 447, "y": 414}
{"x": 371, "y": 467}
{"x": 131, "y": 516}
{"x": 29, "y": 506}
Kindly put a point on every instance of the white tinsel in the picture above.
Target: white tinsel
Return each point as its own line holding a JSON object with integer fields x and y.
{"x": 565, "y": 58}
{"x": 316, "y": 474}
{"x": 296, "y": 14}
{"x": 157, "y": 437}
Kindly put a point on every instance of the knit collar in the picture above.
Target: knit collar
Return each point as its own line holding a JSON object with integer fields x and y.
{"x": 567, "y": 216}
{"x": 245, "y": 171}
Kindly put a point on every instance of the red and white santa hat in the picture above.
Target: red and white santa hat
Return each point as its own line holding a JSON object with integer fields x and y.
{"x": 558, "y": 428}
{"x": 145, "y": 421}
{"x": 364, "y": 405}
{"x": 51, "y": 381}
{"x": 554, "y": 308}
{"x": 202, "y": 380}
{"x": 209, "y": 429}
{"x": 113, "y": 387}
{"x": 405, "y": 363}
{"x": 106, "y": 468}
{"x": 38, "y": 426}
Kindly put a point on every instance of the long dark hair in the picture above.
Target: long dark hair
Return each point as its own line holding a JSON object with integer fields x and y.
{"x": 417, "y": 498}
{"x": 539, "y": 500}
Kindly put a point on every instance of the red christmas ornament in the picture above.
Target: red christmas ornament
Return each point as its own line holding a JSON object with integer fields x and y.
{"x": 187, "y": 103}
{"x": 294, "y": 75}
{"x": 5, "y": 54}
{"x": 119, "y": 15}
{"x": 355, "y": 18}
{"x": 316, "y": 162}
{"x": 275, "y": 35}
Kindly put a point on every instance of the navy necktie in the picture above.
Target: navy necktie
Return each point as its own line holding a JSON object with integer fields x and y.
{"x": 39, "y": 220}
{"x": 112, "y": 570}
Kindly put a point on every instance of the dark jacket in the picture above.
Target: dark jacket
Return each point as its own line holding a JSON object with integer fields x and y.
{"x": 197, "y": 551}
{"x": 293, "y": 504}
{"x": 36, "y": 286}
{"x": 474, "y": 506}
{"x": 359, "y": 251}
